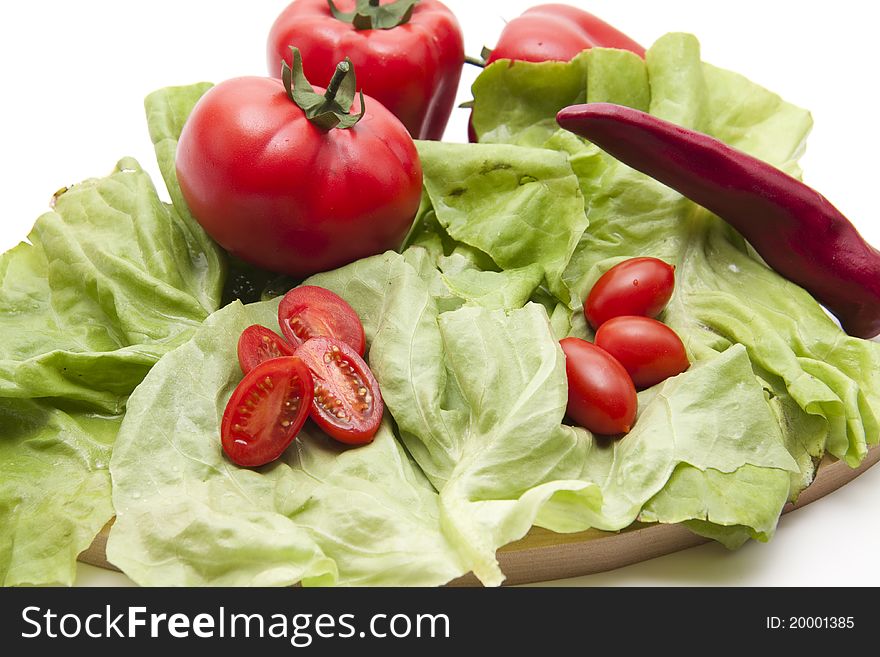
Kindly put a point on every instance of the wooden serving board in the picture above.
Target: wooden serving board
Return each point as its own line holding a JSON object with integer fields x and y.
{"x": 542, "y": 555}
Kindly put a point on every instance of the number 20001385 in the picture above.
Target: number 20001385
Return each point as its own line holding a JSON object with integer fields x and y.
{"x": 811, "y": 623}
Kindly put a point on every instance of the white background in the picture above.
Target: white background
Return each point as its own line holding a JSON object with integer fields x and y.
{"x": 75, "y": 74}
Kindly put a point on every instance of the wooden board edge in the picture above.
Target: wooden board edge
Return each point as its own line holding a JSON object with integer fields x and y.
{"x": 537, "y": 559}
{"x": 544, "y": 556}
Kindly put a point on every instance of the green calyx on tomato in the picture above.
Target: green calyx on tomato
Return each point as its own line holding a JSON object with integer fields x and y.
{"x": 370, "y": 15}
{"x": 332, "y": 109}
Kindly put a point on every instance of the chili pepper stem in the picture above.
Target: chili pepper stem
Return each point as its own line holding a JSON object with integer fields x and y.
{"x": 474, "y": 61}
{"x": 342, "y": 69}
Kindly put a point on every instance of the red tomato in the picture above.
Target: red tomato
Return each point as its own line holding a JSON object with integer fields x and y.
{"x": 284, "y": 194}
{"x": 601, "y": 396}
{"x": 309, "y": 312}
{"x": 557, "y": 32}
{"x": 412, "y": 68}
{"x": 266, "y": 411}
{"x": 649, "y": 350}
{"x": 638, "y": 286}
{"x": 258, "y": 344}
{"x": 347, "y": 404}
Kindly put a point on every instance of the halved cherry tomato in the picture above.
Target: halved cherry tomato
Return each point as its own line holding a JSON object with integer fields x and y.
{"x": 347, "y": 404}
{"x": 258, "y": 344}
{"x": 266, "y": 411}
{"x": 649, "y": 350}
{"x": 638, "y": 286}
{"x": 309, "y": 312}
{"x": 601, "y": 396}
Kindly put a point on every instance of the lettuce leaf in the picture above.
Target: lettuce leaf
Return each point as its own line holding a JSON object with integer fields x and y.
{"x": 462, "y": 331}
{"x": 326, "y": 514}
{"x": 480, "y": 416}
{"x": 322, "y": 514}
{"x": 110, "y": 280}
{"x": 483, "y": 419}
{"x": 705, "y": 447}
{"x": 519, "y": 206}
{"x": 822, "y": 385}
{"x": 99, "y": 293}
{"x": 54, "y": 488}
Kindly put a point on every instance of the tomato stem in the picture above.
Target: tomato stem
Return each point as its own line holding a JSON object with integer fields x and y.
{"x": 342, "y": 69}
{"x": 370, "y": 15}
{"x": 332, "y": 110}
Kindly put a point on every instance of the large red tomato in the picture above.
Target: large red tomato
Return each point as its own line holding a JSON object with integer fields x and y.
{"x": 408, "y": 54}
{"x": 557, "y": 32}
{"x": 279, "y": 188}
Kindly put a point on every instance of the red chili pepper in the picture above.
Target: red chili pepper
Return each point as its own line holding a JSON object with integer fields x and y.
{"x": 408, "y": 53}
{"x": 794, "y": 228}
{"x": 555, "y": 32}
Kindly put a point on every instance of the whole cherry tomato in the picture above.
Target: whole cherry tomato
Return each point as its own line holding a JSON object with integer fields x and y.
{"x": 290, "y": 180}
{"x": 649, "y": 350}
{"x": 266, "y": 411}
{"x": 638, "y": 286}
{"x": 409, "y": 53}
{"x": 601, "y": 396}
{"x": 257, "y": 344}
{"x": 309, "y": 312}
{"x": 347, "y": 404}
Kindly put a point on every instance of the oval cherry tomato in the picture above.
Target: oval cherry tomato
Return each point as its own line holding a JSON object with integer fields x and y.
{"x": 266, "y": 411}
{"x": 638, "y": 286}
{"x": 285, "y": 194}
{"x": 309, "y": 312}
{"x": 649, "y": 350}
{"x": 258, "y": 344}
{"x": 347, "y": 404}
{"x": 601, "y": 396}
